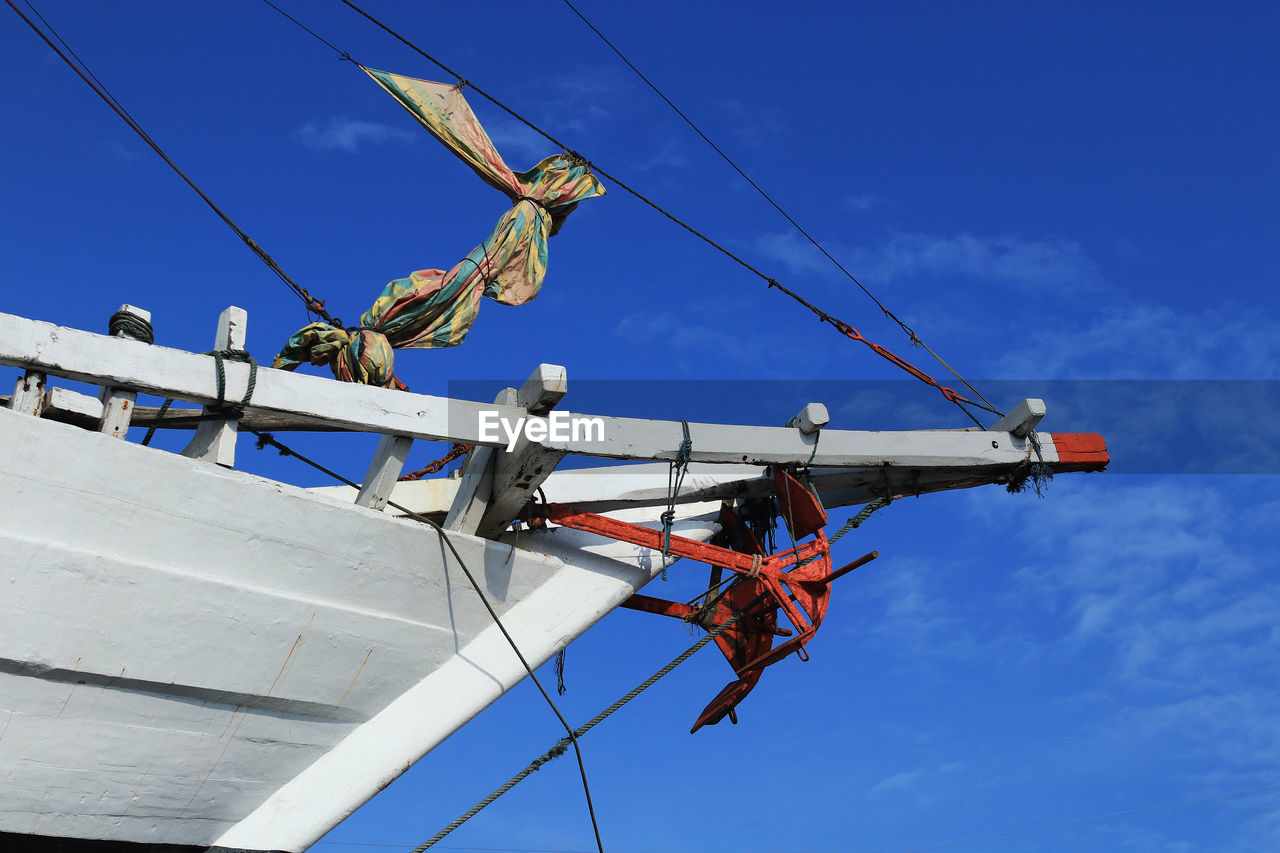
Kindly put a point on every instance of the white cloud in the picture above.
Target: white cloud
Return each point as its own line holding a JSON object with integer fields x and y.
{"x": 517, "y": 143}
{"x": 909, "y": 780}
{"x": 348, "y": 134}
{"x": 1009, "y": 260}
{"x": 1146, "y": 341}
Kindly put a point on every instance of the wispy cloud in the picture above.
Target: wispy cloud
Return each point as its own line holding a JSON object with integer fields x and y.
{"x": 908, "y": 781}
{"x": 348, "y": 134}
{"x": 1148, "y": 341}
{"x": 516, "y": 142}
{"x": 1022, "y": 263}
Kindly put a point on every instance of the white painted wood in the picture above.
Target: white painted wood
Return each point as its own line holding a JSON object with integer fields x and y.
{"x": 118, "y": 403}
{"x": 811, "y": 418}
{"x": 596, "y": 576}
{"x": 167, "y": 372}
{"x": 215, "y": 441}
{"x": 543, "y": 389}
{"x": 388, "y": 462}
{"x": 64, "y": 401}
{"x": 1023, "y": 418}
{"x": 28, "y": 394}
{"x": 476, "y": 486}
{"x": 181, "y": 640}
{"x": 519, "y": 470}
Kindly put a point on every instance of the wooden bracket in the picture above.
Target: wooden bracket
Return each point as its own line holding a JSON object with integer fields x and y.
{"x": 1023, "y": 418}
{"x": 215, "y": 440}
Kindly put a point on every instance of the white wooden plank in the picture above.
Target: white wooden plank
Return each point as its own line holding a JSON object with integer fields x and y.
{"x": 72, "y": 404}
{"x": 215, "y": 441}
{"x": 388, "y": 461}
{"x": 28, "y": 394}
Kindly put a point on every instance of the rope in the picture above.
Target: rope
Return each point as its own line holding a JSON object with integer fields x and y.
{"x": 853, "y": 523}
{"x": 675, "y": 479}
{"x": 823, "y": 316}
{"x": 132, "y": 326}
{"x": 559, "y": 667}
{"x": 560, "y": 747}
{"x": 315, "y": 306}
{"x": 910, "y": 333}
{"x": 1038, "y": 473}
{"x": 240, "y": 355}
{"x": 164, "y": 407}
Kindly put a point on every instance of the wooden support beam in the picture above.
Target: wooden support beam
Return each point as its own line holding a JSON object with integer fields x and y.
{"x": 476, "y": 487}
{"x": 811, "y": 418}
{"x": 544, "y": 388}
{"x": 28, "y": 394}
{"x": 118, "y": 403}
{"x": 388, "y": 461}
{"x": 1022, "y": 419}
{"x": 522, "y": 468}
{"x": 63, "y": 404}
{"x": 215, "y": 440}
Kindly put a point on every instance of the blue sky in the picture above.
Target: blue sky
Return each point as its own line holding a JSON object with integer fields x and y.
{"x": 1043, "y": 192}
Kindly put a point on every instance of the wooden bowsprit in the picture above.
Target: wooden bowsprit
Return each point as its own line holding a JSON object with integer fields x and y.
{"x": 796, "y": 581}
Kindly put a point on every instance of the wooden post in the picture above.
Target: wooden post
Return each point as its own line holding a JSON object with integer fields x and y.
{"x": 28, "y": 394}
{"x": 518, "y": 472}
{"x": 1022, "y": 419}
{"x": 476, "y": 487}
{"x": 215, "y": 440}
{"x": 388, "y": 461}
{"x": 117, "y": 403}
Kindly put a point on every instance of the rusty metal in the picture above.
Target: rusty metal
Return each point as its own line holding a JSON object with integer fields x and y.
{"x": 795, "y": 583}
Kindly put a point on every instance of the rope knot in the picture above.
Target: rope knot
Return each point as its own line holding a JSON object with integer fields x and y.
{"x": 131, "y": 325}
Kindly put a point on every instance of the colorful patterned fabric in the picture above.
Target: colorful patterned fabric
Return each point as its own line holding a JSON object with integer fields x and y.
{"x": 435, "y": 308}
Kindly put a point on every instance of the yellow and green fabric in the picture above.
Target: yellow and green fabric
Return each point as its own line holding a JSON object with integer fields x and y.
{"x": 435, "y": 308}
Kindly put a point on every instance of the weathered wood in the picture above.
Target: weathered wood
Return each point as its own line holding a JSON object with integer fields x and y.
{"x": 476, "y": 487}
{"x": 543, "y": 389}
{"x": 215, "y": 440}
{"x": 171, "y": 373}
{"x": 519, "y": 470}
{"x": 388, "y": 461}
{"x": 118, "y": 403}
{"x": 28, "y": 394}
{"x": 1022, "y": 419}
{"x": 63, "y": 404}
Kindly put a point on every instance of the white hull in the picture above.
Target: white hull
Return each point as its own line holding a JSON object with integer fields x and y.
{"x": 199, "y": 656}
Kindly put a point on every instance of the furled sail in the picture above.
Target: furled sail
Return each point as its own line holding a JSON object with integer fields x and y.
{"x": 435, "y": 308}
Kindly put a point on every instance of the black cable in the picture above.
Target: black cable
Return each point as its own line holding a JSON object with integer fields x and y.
{"x": 914, "y": 338}
{"x": 83, "y": 72}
